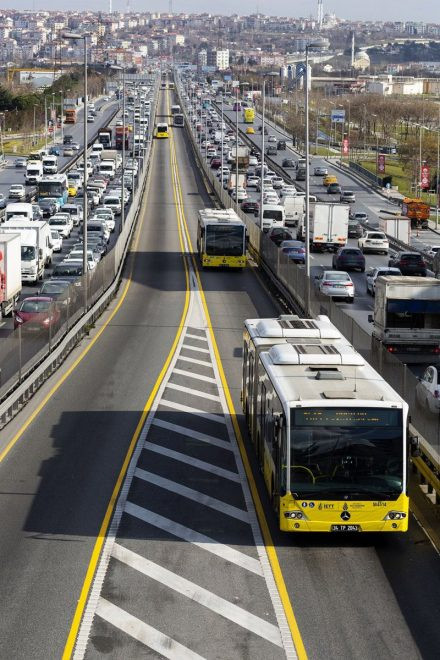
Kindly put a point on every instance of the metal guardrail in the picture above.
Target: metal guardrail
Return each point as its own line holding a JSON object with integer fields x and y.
{"x": 291, "y": 280}
{"x": 28, "y": 379}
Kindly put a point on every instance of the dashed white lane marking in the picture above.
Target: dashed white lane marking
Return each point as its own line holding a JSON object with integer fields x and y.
{"x": 198, "y": 594}
{"x": 195, "y": 348}
{"x": 200, "y": 540}
{"x": 204, "y": 363}
{"x": 144, "y": 633}
{"x": 191, "y": 336}
{"x": 194, "y": 495}
{"x": 190, "y": 374}
{"x": 193, "y": 411}
{"x": 194, "y": 462}
{"x": 190, "y": 433}
{"x": 189, "y": 390}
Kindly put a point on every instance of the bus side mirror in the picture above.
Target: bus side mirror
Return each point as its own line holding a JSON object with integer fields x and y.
{"x": 414, "y": 446}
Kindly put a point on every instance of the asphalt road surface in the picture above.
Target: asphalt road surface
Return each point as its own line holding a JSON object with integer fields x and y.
{"x": 185, "y": 567}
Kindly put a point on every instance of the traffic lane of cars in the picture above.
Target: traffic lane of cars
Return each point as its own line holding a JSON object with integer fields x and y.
{"x": 367, "y": 200}
{"x": 11, "y": 175}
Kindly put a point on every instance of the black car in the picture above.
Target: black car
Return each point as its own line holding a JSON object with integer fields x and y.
{"x": 281, "y": 146}
{"x": 271, "y": 151}
{"x": 279, "y": 234}
{"x": 48, "y": 207}
{"x": 354, "y": 229}
{"x": 348, "y": 258}
{"x": 58, "y": 290}
{"x": 409, "y": 263}
{"x": 68, "y": 139}
{"x": 250, "y": 207}
{"x": 289, "y": 163}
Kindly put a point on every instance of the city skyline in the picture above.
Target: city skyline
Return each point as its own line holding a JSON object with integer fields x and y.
{"x": 428, "y": 12}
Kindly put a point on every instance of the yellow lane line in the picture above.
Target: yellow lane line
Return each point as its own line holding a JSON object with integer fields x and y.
{"x": 270, "y": 548}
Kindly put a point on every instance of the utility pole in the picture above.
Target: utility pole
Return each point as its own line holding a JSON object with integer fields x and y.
{"x": 45, "y": 121}
{"x": 236, "y": 149}
{"x": 262, "y": 152}
{"x": 123, "y": 149}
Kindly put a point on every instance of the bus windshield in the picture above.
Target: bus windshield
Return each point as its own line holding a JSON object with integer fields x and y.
{"x": 346, "y": 453}
{"x": 224, "y": 240}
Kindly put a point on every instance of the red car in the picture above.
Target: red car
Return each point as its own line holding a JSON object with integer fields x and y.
{"x": 37, "y": 313}
{"x": 215, "y": 163}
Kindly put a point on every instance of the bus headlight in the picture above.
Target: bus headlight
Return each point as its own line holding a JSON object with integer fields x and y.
{"x": 298, "y": 515}
{"x": 395, "y": 515}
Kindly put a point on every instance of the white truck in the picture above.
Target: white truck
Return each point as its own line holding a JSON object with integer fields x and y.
{"x": 36, "y": 246}
{"x": 396, "y": 226}
{"x": 241, "y": 181}
{"x": 34, "y": 172}
{"x": 406, "y": 317}
{"x": 328, "y": 226}
{"x": 10, "y": 272}
{"x": 50, "y": 164}
{"x": 294, "y": 208}
{"x": 22, "y": 210}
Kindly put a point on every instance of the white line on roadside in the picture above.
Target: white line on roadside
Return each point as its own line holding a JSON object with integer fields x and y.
{"x": 195, "y": 361}
{"x": 219, "y": 419}
{"x": 189, "y": 390}
{"x": 143, "y": 633}
{"x": 190, "y": 433}
{"x": 191, "y": 336}
{"x": 190, "y": 374}
{"x": 191, "y": 494}
{"x": 195, "y": 348}
{"x": 194, "y": 462}
{"x": 202, "y": 596}
{"x": 192, "y": 536}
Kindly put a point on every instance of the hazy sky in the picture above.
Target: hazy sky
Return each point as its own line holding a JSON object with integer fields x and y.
{"x": 428, "y": 10}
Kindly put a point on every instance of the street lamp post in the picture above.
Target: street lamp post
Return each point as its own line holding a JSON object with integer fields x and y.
{"x": 307, "y": 209}
{"x": 263, "y": 101}
{"x": 221, "y": 145}
{"x": 123, "y": 150}
{"x": 236, "y": 149}
{"x": 73, "y": 35}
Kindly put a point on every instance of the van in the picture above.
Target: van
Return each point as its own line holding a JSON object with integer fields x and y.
{"x": 107, "y": 167}
{"x": 273, "y": 216}
{"x": 97, "y": 148}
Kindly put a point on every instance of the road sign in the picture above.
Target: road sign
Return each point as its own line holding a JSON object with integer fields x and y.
{"x": 338, "y": 116}
{"x": 388, "y": 186}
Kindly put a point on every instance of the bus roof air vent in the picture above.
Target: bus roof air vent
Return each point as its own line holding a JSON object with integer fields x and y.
{"x": 313, "y": 354}
{"x": 342, "y": 394}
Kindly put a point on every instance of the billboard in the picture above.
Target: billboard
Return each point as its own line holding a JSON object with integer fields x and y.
{"x": 381, "y": 163}
{"x": 345, "y": 147}
{"x": 424, "y": 177}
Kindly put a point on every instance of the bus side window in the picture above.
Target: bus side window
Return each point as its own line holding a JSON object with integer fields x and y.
{"x": 262, "y": 407}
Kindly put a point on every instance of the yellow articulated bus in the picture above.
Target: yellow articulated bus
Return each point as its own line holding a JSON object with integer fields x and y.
{"x": 248, "y": 115}
{"x": 221, "y": 239}
{"x": 162, "y": 130}
{"x": 330, "y": 434}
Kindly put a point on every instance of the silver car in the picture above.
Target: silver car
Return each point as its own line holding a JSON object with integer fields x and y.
{"x": 336, "y": 285}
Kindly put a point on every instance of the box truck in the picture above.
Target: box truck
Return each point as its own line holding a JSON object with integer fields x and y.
{"x": 10, "y": 272}
{"x": 328, "y": 226}
{"x": 406, "y": 317}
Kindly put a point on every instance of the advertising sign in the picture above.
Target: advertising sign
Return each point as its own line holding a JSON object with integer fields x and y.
{"x": 345, "y": 147}
{"x": 424, "y": 178}
{"x": 338, "y": 116}
{"x": 381, "y": 162}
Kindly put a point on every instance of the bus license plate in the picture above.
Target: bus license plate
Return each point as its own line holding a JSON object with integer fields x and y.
{"x": 345, "y": 528}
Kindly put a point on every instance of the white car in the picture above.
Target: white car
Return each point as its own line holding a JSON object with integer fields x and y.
{"x": 277, "y": 182}
{"x": 374, "y": 241}
{"x": 17, "y": 191}
{"x": 241, "y": 194}
{"x": 272, "y": 138}
{"x": 376, "y": 272}
{"x": 266, "y": 184}
{"x": 432, "y": 251}
{"x": 288, "y": 191}
{"x": 252, "y": 181}
{"x": 253, "y": 161}
{"x": 270, "y": 198}
{"x": 336, "y": 284}
{"x": 77, "y": 255}
{"x": 428, "y": 390}
{"x": 62, "y": 224}
{"x": 114, "y": 202}
{"x": 56, "y": 240}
